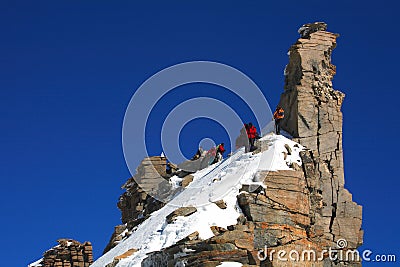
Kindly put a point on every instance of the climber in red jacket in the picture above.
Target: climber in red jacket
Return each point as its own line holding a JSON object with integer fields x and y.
{"x": 279, "y": 114}
{"x": 252, "y": 135}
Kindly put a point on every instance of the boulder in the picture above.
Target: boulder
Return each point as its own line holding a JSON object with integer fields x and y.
{"x": 68, "y": 252}
{"x": 183, "y": 211}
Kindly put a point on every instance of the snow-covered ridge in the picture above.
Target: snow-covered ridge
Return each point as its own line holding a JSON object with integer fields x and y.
{"x": 221, "y": 181}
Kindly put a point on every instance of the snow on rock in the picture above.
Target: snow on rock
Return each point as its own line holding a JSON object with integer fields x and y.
{"x": 175, "y": 181}
{"x": 221, "y": 181}
{"x": 277, "y": 157}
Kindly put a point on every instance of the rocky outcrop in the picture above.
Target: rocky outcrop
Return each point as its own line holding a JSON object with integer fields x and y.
{"x": 314, "y": 119}
{"x": 275, "y": 218}
{"x": 118, "y": 258}
{"x": 68, "y": 253}
{"x": 138, "y": 201}
{"x": 183, "y": 211}
{"x": 306, "y": 210}
{"x": 228, "y": 245}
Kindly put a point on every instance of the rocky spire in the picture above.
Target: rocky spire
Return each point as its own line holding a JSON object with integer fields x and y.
{"x": 314, "y": 119}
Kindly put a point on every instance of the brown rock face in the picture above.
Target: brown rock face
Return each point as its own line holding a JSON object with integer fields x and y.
{"x": 118, "y": 258}
{"x": 68, "y": 253}
{"x": 314, "y": 118}
{"x": 183, "y": 211}
{"x": 136, "y": 204}
{"x": 232, "y": 245}
{"x": 305, "y": 210}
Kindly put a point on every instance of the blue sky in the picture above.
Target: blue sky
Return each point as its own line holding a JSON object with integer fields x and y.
{"x": 69, "y": 68}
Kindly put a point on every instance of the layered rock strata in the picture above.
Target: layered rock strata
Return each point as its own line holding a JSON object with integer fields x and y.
{"x": 68, "y": 253}
{"x": 314, "y": 119}
{"x": 138, "y": 201}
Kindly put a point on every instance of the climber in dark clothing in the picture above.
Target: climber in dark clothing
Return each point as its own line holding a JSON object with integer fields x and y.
{"x": 242, "y": 140}
{"x": 198, "y": 154}
{"x": 220, "y": 151}
{"x": 252, "y": 135}
{"x": 279, "y": 114}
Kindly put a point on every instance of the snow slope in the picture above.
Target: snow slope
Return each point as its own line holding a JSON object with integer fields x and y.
{"x": 36, "y": 263}
{"x": 219, "y": 181}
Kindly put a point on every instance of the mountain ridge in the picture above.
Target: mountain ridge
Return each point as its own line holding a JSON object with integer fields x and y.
{"x": 291, "y": 198}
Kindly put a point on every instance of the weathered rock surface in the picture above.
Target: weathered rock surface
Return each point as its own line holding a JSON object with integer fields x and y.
{"x": 68, "y": 253}
{"x": 118, "y": 258}
{"x": 187, "y": 180}
{"x": 183, "y": 211}
{"x": 136, "y": 201}
{"x": 136, "y": 204}
{"x": 227, "y": 246}
{"x": 221, "y": 204}
{"x": 314, "y": 119}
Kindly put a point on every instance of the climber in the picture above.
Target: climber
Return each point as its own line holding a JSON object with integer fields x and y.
{"x": 252, "y": 135}
{"x": 279, "y": 114}
{"x": 220, "y": 150}
{"x": 168, "y": 168}
{"x": 242, "y": 140}
{"x": 199, "y": 153}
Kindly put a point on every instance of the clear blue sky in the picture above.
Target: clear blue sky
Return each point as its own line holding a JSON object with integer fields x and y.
{"x": 69, "y": 68}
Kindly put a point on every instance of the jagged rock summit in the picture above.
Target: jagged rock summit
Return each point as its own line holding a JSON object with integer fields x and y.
{"x": 307, "y": 29}
{"x": 287, "y": 196}
{"x": 314, "y": 119}
{"x": 300, "y": 204}
{"x": 68, "y": 253}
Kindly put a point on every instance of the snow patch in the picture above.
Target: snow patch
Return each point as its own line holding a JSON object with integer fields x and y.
{"x": 175, "y": 181}
{"x": 274, "y": 158}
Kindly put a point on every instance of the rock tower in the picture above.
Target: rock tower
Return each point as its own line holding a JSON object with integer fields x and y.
{"x": 314, "y": 119}
{"x": 68, "y": 253}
